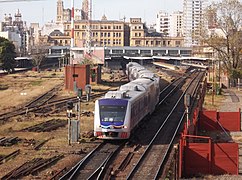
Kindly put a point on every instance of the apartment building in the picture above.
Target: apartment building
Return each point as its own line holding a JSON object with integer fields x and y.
{"x": 176, "y": 24}
{"x": 193, "y": 20}
{"x": 163, "y": 23}
{"x": 169, "y": 24}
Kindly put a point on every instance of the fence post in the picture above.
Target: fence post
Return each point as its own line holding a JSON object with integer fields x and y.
{"x": 239, "y": 119}
{"x": 210, "y": 155}
{"x": 180, "y": 156}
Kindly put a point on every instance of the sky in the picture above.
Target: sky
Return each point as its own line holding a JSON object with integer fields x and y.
{"x": 43, "y": 11}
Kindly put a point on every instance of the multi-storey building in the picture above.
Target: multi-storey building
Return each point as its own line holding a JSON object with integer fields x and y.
{"x": 140, "y": 36}
{"x": 163, "y": 23}
{"x": 193, "y": 11}
{"x": 176, "y": 22}
{"x": 15, "y": 31}
{"x": 115, "y": 33}
{"x": 104, "y": 32}
{"x": 169, "y": 24}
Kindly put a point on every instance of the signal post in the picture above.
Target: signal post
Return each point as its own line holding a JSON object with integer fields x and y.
{"x": 73, "y": 123}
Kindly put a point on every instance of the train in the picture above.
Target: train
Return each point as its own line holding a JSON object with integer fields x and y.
{"x": 118, "y": 113}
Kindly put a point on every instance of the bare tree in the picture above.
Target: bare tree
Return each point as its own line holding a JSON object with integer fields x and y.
{"x": 38, "y": 54}
{"x": 225, "y": 35}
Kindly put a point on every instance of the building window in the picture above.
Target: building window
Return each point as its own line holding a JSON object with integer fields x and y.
{"x": 178, "y": 43}
{"x": 137, "y": 42}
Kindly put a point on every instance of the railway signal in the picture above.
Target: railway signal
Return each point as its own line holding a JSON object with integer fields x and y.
{"x": 69, "y": 110}
{"x": 88, "y": 90}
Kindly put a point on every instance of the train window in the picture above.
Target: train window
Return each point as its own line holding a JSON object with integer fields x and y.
{"x": 110, "y": 113}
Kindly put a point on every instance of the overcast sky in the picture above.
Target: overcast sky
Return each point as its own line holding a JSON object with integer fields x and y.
{"x": 43, "y": 11}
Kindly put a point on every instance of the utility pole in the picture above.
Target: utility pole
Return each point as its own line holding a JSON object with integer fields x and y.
{"x": 187, "y": 105}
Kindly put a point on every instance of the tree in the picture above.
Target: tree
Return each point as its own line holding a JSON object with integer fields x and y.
{"x": 38, "y": 53}
{"x": 7, "y": 55}
{"x": 226, "y": 38}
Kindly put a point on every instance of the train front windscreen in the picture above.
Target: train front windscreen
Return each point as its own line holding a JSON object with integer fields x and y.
{"x": 112, "y": 111}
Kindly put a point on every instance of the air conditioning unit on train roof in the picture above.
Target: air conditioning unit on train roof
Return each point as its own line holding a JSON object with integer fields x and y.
{"x": 129, "y": 87}
{"x": 116, "y": 94}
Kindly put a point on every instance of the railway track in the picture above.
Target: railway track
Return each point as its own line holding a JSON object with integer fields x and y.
{"x": 91, "y": 166}
{"x": 9, "y": 156}
{"x": 153, "y": 159}
{"x": 148, "y": 160}
{"x": 45, "y": 108}
{"x": 107, "y": 171}
{"x": 31, "y": 167}
{"x": 46, "y": 126}
{"x": 44, "y": 97}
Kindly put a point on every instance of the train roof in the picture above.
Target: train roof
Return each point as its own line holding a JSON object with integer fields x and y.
{"x": 131, "y": 90}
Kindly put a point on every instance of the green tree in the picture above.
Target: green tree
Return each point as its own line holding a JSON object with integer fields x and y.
{"x": 226, "y": 38}
{"x": 7, "y": 55}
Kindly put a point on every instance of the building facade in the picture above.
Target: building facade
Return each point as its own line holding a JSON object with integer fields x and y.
{"x": 176, "y": 24}
{"x": 169, "y": 24}
{"x": 163, "y": 23}
{"x": 193, "y": 11}
{"x": 104, "y": 33}
{"x": 64, "y": 15}
{"x": 15, "y": 30}
{"x": 141, "y": 36}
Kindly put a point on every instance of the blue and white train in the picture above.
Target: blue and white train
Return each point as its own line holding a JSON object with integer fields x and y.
{"x": 119, "y": 112}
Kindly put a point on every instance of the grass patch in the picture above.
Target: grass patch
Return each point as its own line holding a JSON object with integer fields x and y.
{"x": 213, "y": 102}
{"x": 36, "y": 83}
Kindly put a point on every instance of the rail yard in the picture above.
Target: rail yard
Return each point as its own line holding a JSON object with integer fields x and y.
{"x": 33, "y": 132}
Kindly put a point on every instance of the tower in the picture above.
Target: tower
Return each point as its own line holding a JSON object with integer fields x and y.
{"x": 60, "y": 10}
{"x": 85, "y": 9}
{"x": 88, "y": 12}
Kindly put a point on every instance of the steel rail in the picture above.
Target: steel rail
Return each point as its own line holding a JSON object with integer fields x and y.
{"x": 161, "y": 165}
{"x": 22, "y": 111}
{"x": 75, "y": 168}
{"x": 155, "y": 136}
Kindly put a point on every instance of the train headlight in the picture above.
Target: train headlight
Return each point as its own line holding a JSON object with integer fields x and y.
{"x": 125, "y": 127}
